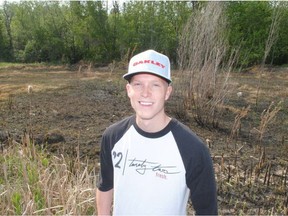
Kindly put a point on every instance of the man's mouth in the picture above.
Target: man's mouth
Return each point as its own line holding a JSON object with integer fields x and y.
{"x": 145, "y": 103}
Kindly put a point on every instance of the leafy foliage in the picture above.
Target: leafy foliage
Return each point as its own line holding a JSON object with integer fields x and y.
{"x": 249, "y": 27}
{"x": 67, "y": 32}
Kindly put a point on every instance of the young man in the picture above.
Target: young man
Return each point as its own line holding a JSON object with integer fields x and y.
{"x": 150, "y": 162}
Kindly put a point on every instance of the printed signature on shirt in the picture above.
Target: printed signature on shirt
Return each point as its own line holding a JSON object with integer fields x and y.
{"x": 141, "y": 166}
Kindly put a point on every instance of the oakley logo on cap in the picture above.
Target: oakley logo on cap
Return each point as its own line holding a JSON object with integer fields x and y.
{"x": 149, "y": 62}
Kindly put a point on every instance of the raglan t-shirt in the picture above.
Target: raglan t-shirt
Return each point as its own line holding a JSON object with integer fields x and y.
{"x": 154, "y": 173}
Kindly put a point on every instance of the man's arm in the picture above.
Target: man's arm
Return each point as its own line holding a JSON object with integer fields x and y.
{"x": 203, "y": 187}
{"x": 104, "y": 202}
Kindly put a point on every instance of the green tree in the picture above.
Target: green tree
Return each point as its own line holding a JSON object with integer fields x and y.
{"x": 2, "y": 37}
{"x": 73, "y": 17}
{"x": 90, "y": 31}
{"x": 34, "y": 31}
{"x": 39, "y": 32}
{"x": 279, "y": 52}
{"x": 153, "y": 25}
{"x": 249, "y": 24}
{"x": 8, "y": 15}
{"x": 46, "y": 41}
{"x": 114, "y": 23}
{"x": 99, "y": 33}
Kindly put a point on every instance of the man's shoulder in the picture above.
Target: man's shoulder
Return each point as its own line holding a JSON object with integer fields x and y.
{"x": 120, "y": 126}
{"x": 183, "y": 129}
{"x": 185, "y": 136}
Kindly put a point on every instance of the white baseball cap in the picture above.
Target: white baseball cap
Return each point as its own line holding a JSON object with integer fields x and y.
{"x": 151, "y": 62}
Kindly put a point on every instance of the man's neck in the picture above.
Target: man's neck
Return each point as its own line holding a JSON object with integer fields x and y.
{"x": 153, "y": 125}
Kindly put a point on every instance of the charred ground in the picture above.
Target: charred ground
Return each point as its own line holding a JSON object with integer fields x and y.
{"x": 68, "y": 111}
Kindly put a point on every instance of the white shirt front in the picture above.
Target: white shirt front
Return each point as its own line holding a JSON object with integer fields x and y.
{"x": 145, "y": 172}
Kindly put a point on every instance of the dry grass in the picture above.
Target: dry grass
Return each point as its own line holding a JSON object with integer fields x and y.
{"x": 35, "y": 183}
{"x": 259, "y": 187}
{"x": 267, "y": 116}
{"x": 237, "y": 122}
{"x": 203, "y": 82}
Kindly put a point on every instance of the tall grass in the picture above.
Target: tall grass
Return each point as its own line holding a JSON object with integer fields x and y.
{"x": 34, "y": 183}
{"x": 267, "y": 117}
{"x": 204, "y": 71}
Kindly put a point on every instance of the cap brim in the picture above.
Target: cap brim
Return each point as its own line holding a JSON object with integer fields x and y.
{"x": 128, "y": 76}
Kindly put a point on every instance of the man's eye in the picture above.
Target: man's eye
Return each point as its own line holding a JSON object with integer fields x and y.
{"x": 136, "y": 85}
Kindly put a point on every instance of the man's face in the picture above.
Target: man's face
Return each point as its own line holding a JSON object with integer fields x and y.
{"x": 148, "y": 94}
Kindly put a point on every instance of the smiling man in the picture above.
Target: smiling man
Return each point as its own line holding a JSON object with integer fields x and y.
{"x": 151, "y": 163}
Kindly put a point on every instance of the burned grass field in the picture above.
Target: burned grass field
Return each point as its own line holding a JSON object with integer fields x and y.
{"x": 66, "y": 111}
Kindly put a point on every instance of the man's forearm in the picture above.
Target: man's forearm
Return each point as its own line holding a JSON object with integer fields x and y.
{"x": 104, "y": 202}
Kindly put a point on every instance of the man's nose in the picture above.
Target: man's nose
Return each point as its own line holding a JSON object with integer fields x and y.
{"x": 146, "y": 91}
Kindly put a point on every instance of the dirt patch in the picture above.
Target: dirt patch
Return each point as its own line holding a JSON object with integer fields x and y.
{"x": 78, "y": 106}
{"x": 68, "y": 111}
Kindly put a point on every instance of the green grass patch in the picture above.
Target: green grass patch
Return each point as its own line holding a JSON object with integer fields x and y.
{"x": 32, "y": 182}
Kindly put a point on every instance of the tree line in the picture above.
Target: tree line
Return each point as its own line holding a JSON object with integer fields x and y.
{"x": 105, "y": 31}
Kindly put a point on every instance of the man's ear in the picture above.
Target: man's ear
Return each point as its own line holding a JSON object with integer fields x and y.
{"x": 168, "y": 92}
{"x": 128, "y": 89}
